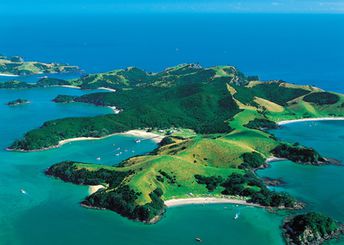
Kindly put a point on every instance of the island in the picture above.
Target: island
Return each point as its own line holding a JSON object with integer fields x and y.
{"x": 18, "y": 102}
{"x": 214, "y": 123}
{"x": 17, "y": 66}
{"x": 311, "y": 228}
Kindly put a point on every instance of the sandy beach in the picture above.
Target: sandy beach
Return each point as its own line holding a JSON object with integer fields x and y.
{"x": 94, "y": 188}
{"x": 310, "y": 120}
{"x": 145, "y": 135}
{"x": 8, "y": 75}
{"x": 274, "y": 159}
{"x": 207, "y": 200}
{"x": 138, "y": 133}
{"x": 108, "y": 89}
{"x": 69, "y": 86}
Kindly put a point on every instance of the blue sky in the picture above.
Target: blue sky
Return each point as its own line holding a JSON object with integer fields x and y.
{"x": 216, "y": 6}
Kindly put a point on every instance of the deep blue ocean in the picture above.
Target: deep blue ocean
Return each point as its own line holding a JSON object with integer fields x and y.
{"x": 299, "y": 48}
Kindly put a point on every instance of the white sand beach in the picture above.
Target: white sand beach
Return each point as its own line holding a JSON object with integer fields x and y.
{"x": 94, "y": 188}
{"x": 206, "y": 200}
{"x": 310, "y": 120}
{"x": 69, "y": 86}
{"x": 8, "y": 75}
{"x": 138, "y": 133}
{"x": 108, "y": 89}
{"x": 274, "y": 159}
{"x": 145, "y": 135}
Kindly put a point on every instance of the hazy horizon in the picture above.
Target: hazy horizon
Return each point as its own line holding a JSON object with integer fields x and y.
{"x": 155, "y": 6}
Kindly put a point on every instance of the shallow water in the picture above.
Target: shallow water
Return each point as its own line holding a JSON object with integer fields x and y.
{"x": 321, "y": 188}
{"x": 49, "y": 211}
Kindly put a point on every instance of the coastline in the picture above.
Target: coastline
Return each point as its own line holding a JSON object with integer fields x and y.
{"x": 107, "y": 89}
{"x": 76, "y": 87}
{"x": 136, "y": 132}
{"x": 94, "y": 188}
{"x": 274, "y": 159}
{"x": 8, "y": 75}
{"x": 68, "y": 86}
{"x": 208, "y": 200}
{"x": 310, "y": 120}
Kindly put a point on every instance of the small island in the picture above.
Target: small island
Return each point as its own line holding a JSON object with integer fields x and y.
{"x": 311, "y": 228}
{"x": 17, "y": 102}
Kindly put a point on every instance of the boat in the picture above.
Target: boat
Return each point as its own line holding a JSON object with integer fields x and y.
{"x": 236, "y": 216}
{"x": 198, "y": 239}
{"x": 98, "y": 158}
{"x": 23, "y": 191}
{"x": 137, "y": 141}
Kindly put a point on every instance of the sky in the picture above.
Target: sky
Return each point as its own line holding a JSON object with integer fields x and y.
{"x": 166, "y": 6}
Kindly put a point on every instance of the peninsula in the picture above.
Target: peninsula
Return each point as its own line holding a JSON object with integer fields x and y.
{"x": 17, "y": 66}
{"x": 214, "y": 122}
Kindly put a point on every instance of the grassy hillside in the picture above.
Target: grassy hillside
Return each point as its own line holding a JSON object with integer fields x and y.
{"x": 221, "y": 117}
{"x": 173, "y": 76}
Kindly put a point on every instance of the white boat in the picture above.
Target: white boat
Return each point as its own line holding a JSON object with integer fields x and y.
{"x": 198, "y": 239}
{"x": 98, "y": 158}
{"x": 23, "y": 191}
{"x": 236, "y": 216}
{"x": 137, "y": 141}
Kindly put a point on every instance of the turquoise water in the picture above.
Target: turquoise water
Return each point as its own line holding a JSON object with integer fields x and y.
{"x": 51, "y": 212}
{"x": 321, "y": 188}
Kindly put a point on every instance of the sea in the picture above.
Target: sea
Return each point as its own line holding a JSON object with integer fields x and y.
{"x": 298, "y": 48}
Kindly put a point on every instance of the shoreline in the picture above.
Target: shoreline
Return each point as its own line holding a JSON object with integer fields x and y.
{"x": 107, "y": 89}
{"x": 208, "y": 200}
{"x": 136, "y": 132}
{"x": 94, "y": 188}
{"x": 274, "y": 159}
{"x": 76, "y": 87}
{"x": 310, "y": 120}
{"x": 67, "y": 86}
{"x": 8, "y": 75}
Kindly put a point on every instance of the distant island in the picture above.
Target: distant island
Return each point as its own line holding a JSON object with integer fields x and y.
{"x": 17, "y": 66}
{"x": 214, "y": 123}
{"x": 17, "y": 102}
